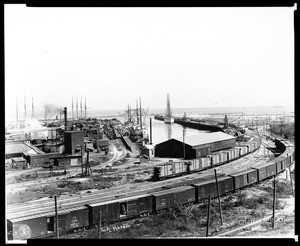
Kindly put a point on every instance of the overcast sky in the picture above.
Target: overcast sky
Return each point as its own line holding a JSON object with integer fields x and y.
{"x": 203, "y": 57}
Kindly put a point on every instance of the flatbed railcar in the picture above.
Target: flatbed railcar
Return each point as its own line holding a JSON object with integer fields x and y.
{"x": 40, "y": 225}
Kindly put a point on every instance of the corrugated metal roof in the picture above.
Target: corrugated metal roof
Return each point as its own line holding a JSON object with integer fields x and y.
{"x": 205, "y": 138}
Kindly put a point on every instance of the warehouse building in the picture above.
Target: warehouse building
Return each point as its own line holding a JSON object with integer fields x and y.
{"x": 195, "y": 146}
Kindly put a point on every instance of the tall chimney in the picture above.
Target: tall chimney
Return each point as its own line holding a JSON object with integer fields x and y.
{"x": 150, "y": 130}
{"x": 72, "y": 109}
{"x": 81, "y": 107}
{"x": 85, "y": 107}
{"x": 65, "y": 115}
{"x": 76, "y": 107}
{"x": 32, "y": 108}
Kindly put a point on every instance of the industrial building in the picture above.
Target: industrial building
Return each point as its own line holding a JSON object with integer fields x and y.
{"x": 74, "y": 140}
{"x": 195, "y": 146}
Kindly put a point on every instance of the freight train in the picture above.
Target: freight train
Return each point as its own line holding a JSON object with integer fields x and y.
{"x": 173, "y": 169}
{"x": 42, "y": 224}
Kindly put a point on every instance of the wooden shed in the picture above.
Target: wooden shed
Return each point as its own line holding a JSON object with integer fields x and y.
{"x": 19, "y": 163}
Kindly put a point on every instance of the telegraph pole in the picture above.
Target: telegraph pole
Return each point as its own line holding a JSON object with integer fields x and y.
{"x": 183, "y": 136}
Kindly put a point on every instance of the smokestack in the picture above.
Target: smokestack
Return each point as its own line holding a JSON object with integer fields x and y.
{"x": 80, "y": 107}
{"x": 72, "y": 109}
{"x": 65, "y": 115}
{"x": 32, "y": 109}
{"x": 76, "y": 107}
{"x": 85, "y": 107}
{"x": 150, "y": 130}
{"x": 25, "y": 107}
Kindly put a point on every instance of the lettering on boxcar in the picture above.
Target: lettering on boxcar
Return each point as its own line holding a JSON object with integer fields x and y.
{"x": 74, "y": 222}
{"x": 23, "y": 231}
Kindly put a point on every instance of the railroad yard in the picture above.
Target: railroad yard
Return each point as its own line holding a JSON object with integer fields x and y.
{"x": 116, "y": 176}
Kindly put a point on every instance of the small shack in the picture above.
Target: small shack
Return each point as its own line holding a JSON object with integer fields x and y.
{"x": 19, "y": 163}
{"x": 148, "y": 150}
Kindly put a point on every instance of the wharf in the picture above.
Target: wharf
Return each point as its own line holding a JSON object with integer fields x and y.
{"x": 192, "y": 123}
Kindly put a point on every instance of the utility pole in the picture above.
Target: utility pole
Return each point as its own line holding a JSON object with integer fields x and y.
{"x": 56, "y": 218}
{"x": 221, "y": 217}
{"x": 274, "y": 201}
{"x": 183, "y": 137}
{"x": 99, "y": 225}
{"x": 208, "y": 216}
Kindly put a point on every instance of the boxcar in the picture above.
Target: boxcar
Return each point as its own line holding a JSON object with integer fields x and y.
{"x": 271, "y": 169}
{"x": 120, "y": 208}
{"x": 171, "y": 197}
{"x": 162, "y": 200}
{"x": 26, "y": 227}
{"x": 280, "y": 164}
{"x": 240, "y": 179}
{"x": 42, "y": 224}
{"x": 225, "y": 185}
{"x": 183, "y": 195}
{"x": 261, "y": 172}
{"x": 204, "y": 189}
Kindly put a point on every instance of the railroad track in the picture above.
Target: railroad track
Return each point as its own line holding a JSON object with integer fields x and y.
{"x": 131, "y": 189}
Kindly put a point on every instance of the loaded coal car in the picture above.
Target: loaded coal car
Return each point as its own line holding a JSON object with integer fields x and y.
{"x": 165, "y": 199}
{"x": 119, "y": 208}
{"x": 42, "y": 224}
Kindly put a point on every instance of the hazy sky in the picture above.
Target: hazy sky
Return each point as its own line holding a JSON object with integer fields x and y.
{"x": 203, "y": 57}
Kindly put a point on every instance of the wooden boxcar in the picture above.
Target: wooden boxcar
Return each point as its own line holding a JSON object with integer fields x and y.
{"x": 225, "y": 185}
{"x": 43, "y": 224}
{"x": 271, "y": 168}
{"x": 119, "y": 208}
{"x": 261, "y": 172}
{"x": 184, "y": 195}
{"x": 204, "y": 189}
{"x": 252, "y": 176}
{"x": 171, "y": 197}
{"x": 240, "y": 179}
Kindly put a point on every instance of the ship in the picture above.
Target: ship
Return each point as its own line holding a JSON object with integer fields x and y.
{"x": 168, "y": 119}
